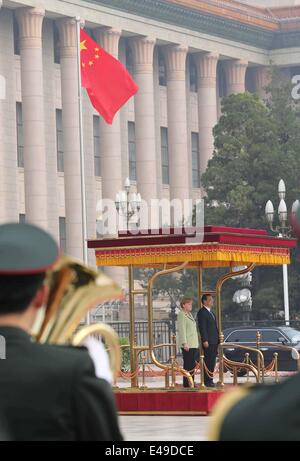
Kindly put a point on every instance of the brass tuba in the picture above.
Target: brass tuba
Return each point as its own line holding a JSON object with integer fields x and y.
{"x": 74, "y": 289}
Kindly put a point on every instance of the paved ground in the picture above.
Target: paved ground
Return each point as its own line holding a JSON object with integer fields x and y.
{"x": 168, "y": 428}
{"x": 164, "y": 428}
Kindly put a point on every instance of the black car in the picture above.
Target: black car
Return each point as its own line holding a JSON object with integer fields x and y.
{"x": 246, "y": 336}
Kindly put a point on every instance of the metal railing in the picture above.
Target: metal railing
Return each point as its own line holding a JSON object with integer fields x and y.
{"x": 257, "y": 370}
{"x": 162, "y": 334}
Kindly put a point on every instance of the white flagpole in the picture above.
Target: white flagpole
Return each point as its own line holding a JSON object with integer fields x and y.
{"x": 82, "y": 166}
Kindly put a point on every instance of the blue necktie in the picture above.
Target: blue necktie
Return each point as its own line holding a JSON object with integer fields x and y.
{"x": 213, "y": 315}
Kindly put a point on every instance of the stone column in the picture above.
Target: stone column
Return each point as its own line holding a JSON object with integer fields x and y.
{"x": 8, "y": 144}
{"x": 30, "y": 23}
{"x": 207, "y": 104}
{"x": 235, "y": 75}
{"x": 145, "y": 139}
{"x": 175, "y": 57}
{"x": 110, "y": 139}
{"x": 70, "y": 114}
{"x": 50, "y": 123}
{"x": 110, "y": 135}
{"x": 262, "y": 77}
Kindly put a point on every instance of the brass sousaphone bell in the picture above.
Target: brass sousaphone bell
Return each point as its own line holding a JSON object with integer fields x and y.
{"x": 74, "y": 290}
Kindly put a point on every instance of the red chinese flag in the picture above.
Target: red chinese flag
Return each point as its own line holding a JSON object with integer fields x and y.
{"x": 106, "y": 80}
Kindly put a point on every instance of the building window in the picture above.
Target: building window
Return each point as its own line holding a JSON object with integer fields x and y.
{"x": 294, "y": 71}
{"x": 91, "y": 33}
{"x": 162, "y": 73}
{"x": 20, "y": 136}
{"x": 129, "y": 60}
{"x": 221, "y": 80}
{"x": 131, "y": 151}
{"x": 56, "y": 44}
{"x": 97, "y": 148}
{"x": 62, "y": 234}
{"x": 193, "y": 76}
{"x": 249, "y": 81}
{"x": 59, "y": 141}
{"x": 17, "y": 50}
{"x": 195, "y": 160}
{"x": 164, "y": 155}
{"x": 22, "y": 218}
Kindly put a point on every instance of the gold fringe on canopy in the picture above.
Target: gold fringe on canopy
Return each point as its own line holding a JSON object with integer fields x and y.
{"x": 208, "y": 255}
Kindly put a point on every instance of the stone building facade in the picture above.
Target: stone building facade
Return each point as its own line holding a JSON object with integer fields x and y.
{"x": 185, "y": 55}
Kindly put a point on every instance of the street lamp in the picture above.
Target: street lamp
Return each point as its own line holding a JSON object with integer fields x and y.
{"x": 243, "y": 296}
{"x": 284, "y": 231}
{"x": 128, "y": 204}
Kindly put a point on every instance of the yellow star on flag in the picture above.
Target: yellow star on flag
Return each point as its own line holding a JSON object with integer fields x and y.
{"x": 82, "y": 45}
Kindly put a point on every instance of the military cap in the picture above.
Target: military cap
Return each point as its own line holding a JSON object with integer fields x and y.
{"x": 26, "y": 250}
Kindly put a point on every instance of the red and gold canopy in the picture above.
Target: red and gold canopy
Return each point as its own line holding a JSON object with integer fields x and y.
{"x": 219, "y": 246}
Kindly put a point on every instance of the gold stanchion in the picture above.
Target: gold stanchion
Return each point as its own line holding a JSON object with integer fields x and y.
{"x": 174, "y": 347}
{"x": 221, "y": 362}
{"x": 173, "y": 358}
{"x": 202, "y": 385}
{"x": 247, "y": 359}
{"x": 258, "y": 368}
{"x": 143, "y": 372}
{"x": 153, "y": 357}
{"x": 219, "y": 285}
{"x": 259, "y": 364}
{"x": 173, "y": 374}
{"x": 136, "y": 360}
{"x": 200, "y": 282}
{"x": 132, "y": 327}
{"x": 235, "y": 376}
{"x": 276, "y": 366}
{"x": 167, "y": 378}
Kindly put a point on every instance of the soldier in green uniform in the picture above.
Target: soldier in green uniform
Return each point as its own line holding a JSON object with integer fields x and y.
{"x": 46, "y": 392}
{"x": 259, "y": 413}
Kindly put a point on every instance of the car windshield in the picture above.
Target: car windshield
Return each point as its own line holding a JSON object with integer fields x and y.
{"x": 293, "y": 334}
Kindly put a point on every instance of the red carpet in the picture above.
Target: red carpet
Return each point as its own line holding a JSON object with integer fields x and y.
{"x": 166, "y": 402}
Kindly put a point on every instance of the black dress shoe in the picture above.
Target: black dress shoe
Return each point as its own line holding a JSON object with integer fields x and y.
{"x": 210, "y": 385}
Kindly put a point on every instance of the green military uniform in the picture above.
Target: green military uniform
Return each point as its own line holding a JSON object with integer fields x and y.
{"x": 47, "y": 392}
{"x": 260, "y": 413}
{"x": 52, "y": 393}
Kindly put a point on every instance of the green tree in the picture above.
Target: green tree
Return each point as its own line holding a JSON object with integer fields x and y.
{"x": 256, "y": 144}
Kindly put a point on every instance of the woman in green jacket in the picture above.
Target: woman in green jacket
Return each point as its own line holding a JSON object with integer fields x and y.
{"x": 187, "y": 337}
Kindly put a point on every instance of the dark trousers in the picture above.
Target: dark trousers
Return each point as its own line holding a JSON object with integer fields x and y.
{"x": 210, "y": 355}
{"x": 189, "y": 363}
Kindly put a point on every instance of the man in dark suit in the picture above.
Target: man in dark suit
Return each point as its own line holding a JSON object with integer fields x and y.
{"x": 209, "y": 336}
{"x": 46, "y": 392}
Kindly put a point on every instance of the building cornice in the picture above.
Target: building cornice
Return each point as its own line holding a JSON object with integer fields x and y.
{"x": 247, "y": 26}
